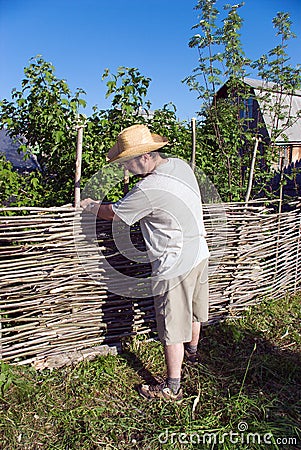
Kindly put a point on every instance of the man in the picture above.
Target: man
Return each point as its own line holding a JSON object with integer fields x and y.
{"x": 167, "y": 203}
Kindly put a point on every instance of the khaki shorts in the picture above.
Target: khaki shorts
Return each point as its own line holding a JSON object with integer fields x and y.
{"x": 184, "y": 300}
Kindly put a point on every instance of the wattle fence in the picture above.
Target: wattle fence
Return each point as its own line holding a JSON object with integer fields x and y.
{"x": 57, "y": 300}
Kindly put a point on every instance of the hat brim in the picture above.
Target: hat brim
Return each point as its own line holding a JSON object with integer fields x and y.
{"x": 137, "y": 150}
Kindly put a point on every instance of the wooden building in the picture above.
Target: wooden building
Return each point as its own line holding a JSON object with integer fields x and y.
{"x": 276, "y": 117}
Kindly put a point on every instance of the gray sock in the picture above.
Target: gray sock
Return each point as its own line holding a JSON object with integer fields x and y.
{"x": 191, "y": 348}
{"x": 174, "y": 384}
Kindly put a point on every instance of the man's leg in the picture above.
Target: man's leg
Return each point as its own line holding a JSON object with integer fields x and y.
{"x": 174, "y": 354}
{"x": 200, "y": 303}
{"x": 196, "y": 329}
{"x": 191, "y": 347}
{"x": 171, "y": 389}
{"x": 173, "y": 306}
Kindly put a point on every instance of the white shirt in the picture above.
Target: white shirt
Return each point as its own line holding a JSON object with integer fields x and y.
{"x": 167, "y": 202}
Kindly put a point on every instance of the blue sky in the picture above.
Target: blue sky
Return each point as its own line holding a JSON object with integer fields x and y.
{"x": 83, "y": 37}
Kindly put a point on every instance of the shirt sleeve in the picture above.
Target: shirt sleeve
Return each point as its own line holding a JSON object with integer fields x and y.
{"x": 133, "y": 207}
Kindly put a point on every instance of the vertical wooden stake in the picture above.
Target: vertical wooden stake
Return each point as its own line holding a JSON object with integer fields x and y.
{"x": 193, "y": 130}
{"x": 298, "y": 257}
{"x": 78, "y": 166}
{"x": 279, "y": 213}
{"x": 281, "y": 184}
{"x": 250, "y": 183}
{"x": 126, "y": 181}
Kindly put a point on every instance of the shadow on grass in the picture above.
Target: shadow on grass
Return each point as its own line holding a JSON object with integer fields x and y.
{"x": 247, "y": 356}
{"x": 240, "y": 361}
{"x": 252, "y": 377}
{"x": 245, "y": 377}
{"x": 136, "y": 364}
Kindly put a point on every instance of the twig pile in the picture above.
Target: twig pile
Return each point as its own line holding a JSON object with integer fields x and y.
{"x": 58, "y": 294}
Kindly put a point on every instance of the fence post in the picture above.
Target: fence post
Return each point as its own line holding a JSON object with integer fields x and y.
{"x": 279, "y": 215}
{"x": 250, "y": 183}
{"x": 193, "y": 130}
{"x": 281, "y": 184}
{"x": 298, "y": 257}
{"x": 78, "y": 166}
{"x": 126, "y": 180}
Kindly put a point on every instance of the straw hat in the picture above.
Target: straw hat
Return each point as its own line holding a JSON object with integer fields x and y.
{"x": 134, "y": 141}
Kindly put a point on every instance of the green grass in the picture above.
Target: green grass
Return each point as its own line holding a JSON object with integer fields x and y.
{"x": 250, "y": 377}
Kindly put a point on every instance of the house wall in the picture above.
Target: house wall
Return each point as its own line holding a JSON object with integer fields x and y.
{"x": 291, "y": 153}
{"x": 296, "y": 153}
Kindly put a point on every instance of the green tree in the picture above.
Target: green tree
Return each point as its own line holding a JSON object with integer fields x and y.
{"x": 280, "y": 80}
{"x": 128, "y": 90}
{"x": 44, "y": 114}
{"x": 222, "y": 131}
{"x": 17, "y": 189}
{"x": 280, "y": 83}
{"x": 226, "y": 130}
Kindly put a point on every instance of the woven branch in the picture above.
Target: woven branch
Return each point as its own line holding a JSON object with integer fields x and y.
{"x": 54, "y": 285}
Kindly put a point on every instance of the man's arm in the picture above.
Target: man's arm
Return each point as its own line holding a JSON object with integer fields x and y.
{"x": 104, "y": 212}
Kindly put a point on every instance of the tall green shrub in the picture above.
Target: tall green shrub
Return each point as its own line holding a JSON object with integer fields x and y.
{"x": 45, "y": 114}
{"x": 226, "y": 132}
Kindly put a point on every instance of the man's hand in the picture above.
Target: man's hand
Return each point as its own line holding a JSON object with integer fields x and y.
{"x": 89, "y": 204}
{"x": 104, "y": 212}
